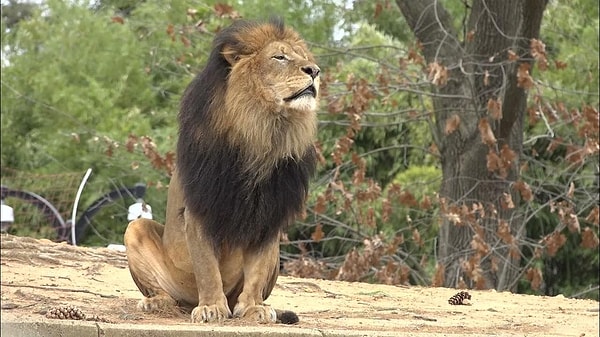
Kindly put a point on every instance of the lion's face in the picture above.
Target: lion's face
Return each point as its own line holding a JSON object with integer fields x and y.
{"x": 282, "y": 77}
{"x": 289, "y": 79}
{"x": 272, "y": 94}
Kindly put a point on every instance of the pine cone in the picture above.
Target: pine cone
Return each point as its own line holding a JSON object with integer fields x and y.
{"x": 459, "y": 298}
{"x": 65, "y": 312}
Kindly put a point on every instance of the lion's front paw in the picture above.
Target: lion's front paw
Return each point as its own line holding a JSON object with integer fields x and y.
{"x": 210, "y": 313}
{"x": 157, "y": 303}
{"x": 256, "y": 313}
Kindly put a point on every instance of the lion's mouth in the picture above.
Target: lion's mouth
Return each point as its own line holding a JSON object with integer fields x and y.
{"x": 308, "y": 91}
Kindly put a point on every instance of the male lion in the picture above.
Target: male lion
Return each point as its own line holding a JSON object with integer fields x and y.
{"x": 244, "y": 157}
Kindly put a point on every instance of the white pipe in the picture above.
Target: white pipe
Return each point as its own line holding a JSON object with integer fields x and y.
{"x": 74, "y": 214}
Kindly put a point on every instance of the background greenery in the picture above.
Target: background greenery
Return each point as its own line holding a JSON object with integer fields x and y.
{"x": 98, "y": 86}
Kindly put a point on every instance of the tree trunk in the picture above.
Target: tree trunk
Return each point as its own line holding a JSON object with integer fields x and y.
{"x": 473, "y": 246}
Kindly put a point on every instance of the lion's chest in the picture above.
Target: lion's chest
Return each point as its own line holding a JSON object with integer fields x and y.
{"x": 240, "y": 212}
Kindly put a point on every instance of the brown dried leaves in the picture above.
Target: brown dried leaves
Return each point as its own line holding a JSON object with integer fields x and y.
{"x": 535, "y": 278}
{"x": 148, "y": 147}
{"x": 494, "y": 108}
{"x": 358, "y": 264}
{"x": 437, "y": 74}
{"x": 553, "y": 242}
{"x": 501, "y": 163}
{"x": 538, "y": 51}
{"x": 452, "y": 124}
{"x": 487, "y": 135}
{"x": 524, "y": 79}
{"x": 524, "y": 190}
{"x": 589, "y": 239}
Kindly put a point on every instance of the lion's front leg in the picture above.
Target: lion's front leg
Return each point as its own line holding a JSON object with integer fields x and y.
{"x": 260, "y": 275}
{"x": 212, "y": 303}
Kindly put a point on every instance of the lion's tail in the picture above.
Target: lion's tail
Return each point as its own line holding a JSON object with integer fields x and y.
{"x": 286, "y": 317}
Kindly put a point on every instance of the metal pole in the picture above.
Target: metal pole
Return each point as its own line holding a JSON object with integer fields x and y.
{"x": 74, "y": 214}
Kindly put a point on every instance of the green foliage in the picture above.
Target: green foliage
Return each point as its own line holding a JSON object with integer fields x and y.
{"x": 564, "y": 26}
{"x": 412, "y": 196}
{"x": 90, "y": 81}
{"x": 384, "y": 15}
{"x": 315, "y": 20}
{"x": 420, "y": 180}
{"x": 101, "y": 77}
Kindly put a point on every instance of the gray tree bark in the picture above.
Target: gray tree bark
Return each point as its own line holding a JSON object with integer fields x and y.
{"x": 479, "y": 69}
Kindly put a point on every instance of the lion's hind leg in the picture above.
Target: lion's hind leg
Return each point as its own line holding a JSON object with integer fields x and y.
{"x": 146, "y": 259}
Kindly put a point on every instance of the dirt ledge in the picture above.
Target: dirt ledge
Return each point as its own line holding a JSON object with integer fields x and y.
{"x": 37, "y": 275}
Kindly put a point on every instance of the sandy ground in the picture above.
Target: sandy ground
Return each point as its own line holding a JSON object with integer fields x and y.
{"x": 37, "y": 275}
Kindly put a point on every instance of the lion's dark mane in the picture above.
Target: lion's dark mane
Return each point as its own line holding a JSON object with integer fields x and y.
{"x": 217, "y": 187}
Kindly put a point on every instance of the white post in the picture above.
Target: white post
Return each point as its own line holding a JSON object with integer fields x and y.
{"x": 74, "y": 214}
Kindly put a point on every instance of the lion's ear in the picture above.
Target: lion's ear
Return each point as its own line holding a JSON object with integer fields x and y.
{"x": 230, "y": 55}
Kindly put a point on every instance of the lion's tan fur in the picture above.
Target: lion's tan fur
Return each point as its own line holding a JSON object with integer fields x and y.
{"x": 177, "y": 263}
{"x": 286, "y": 131}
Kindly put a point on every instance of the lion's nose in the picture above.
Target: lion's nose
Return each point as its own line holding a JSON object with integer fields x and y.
{"x": 311, "y": 70}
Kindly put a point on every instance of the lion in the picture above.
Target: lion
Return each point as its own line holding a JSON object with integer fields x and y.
{"x": 245, "y": 155}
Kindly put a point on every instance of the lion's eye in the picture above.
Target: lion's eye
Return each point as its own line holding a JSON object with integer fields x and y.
{"x": 279, "y": 57}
